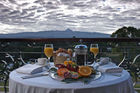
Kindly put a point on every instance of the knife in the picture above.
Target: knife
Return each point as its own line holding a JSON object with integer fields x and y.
{"x": 35, "y": 75}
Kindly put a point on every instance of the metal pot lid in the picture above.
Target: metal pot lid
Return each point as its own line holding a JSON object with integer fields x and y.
{"x": 81, "y": 47}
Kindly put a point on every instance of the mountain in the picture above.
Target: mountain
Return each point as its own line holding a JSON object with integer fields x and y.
{"x": 68, "y": 33}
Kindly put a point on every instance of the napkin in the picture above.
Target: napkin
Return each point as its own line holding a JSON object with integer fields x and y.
{"x": 30, "y": 69}
{"x": 103, "y": 61}
{"x": 110, "y": 68}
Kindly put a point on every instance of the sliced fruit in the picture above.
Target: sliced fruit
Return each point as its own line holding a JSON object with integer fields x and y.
{"x": 75, "y": 75}
{"x": 72, "y": 67}
{"x": 75, "y": 68}
{"x": 60, "y": 66}
{"x": 85, "y": 71}
{"x": 61, "y": 71}
{"x": 67, "y": 75}
{"x": 68, "y": 67}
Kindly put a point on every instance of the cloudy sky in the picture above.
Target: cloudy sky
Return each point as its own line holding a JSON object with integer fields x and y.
{"x": 104, "y": 16}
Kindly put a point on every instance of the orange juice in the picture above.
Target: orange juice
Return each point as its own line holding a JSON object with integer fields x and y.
{"x": 94, "y": 50}
{"x": 48, "y": 51}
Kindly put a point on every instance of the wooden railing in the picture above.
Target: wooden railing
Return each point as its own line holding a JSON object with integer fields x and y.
{"x": 73, "y": 39}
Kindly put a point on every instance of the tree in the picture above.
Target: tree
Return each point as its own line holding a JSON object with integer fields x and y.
{"x": 127, "y": 32}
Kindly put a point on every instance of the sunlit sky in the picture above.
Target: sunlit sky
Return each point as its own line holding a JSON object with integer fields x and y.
{"x": 105, "y": 16}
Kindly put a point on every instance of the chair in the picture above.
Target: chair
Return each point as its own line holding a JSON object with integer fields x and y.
{"x": 133, "y": 64}
{"x": 131, "y": 67}
{"x": 137, "y": 69}
{"x": 122, "y": 61}
{"x": 4, "y": 74}
{"x": 21, "y": 59}
{"x": 135, "y": 58}
{"x": 8, "y": 64}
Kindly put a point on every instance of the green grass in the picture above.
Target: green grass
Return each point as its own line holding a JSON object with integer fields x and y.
{"x": 137, "y": 86}
{"x": 1, "y": 84}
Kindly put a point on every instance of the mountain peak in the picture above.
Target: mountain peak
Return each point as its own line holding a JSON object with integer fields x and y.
{"x": 68, "y": 30}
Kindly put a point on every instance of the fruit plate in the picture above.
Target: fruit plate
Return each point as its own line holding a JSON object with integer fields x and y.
{"x": 85, "y": 80}
{"x": 54, "y": 76}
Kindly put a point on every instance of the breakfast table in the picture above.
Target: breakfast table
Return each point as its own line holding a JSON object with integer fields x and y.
{"x": 107, "y": 83}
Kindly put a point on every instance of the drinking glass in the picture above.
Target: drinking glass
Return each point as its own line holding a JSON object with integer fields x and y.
{"x": 95, "y": 50}
{"x": 48, "y": 50}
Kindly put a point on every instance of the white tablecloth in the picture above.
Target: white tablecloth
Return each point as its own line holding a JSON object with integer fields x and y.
{"x": 106, "y": 84}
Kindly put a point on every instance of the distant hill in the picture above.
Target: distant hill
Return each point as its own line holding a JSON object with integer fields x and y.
{"x": 68, "y": 33}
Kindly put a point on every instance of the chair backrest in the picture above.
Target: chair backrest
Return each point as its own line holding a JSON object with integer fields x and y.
{"x": 122, "y": 60}
{"x": 135, "y": 58}
{"x": 20, "y": 58}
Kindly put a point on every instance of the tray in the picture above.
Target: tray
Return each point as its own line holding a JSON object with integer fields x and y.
{"x": 92, "y": 77}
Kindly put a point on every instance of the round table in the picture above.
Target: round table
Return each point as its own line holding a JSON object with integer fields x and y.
{"x": 106, "y": 84}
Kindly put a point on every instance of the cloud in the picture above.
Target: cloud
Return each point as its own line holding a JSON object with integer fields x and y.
{"x": 85, "y": 15}
{"x": 129, "y": 1}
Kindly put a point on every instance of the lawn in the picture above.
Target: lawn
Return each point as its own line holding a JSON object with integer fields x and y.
{"x": 137, "y": 86}
{"x": 1, "y": 88}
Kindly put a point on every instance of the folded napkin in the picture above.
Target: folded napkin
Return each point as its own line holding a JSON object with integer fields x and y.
{"x": 110, "y": 68}
{"x": 104, "y": 60}
{"x": 30, "y": 69}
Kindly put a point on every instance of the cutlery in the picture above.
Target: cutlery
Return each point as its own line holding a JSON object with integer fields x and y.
{"x": 35, "y": 75}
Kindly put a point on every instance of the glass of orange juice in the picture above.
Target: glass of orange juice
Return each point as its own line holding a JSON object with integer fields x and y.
{"x": 95, "y": 50}
{"x": 48, "y": 50}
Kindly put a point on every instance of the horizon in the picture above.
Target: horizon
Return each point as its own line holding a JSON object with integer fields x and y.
{"x": 53, "y": 30}
{"x": 104, "y": 16}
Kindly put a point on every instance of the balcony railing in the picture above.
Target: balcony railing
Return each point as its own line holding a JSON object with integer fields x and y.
{"x": 16, "y": 52}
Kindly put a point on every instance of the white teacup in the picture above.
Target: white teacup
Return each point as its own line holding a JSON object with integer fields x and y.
{"x": 42, "y": 61}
